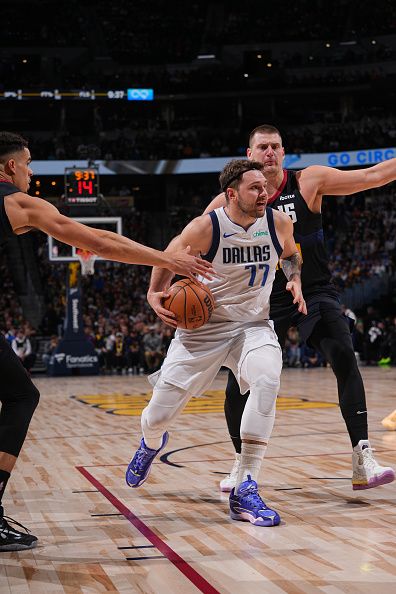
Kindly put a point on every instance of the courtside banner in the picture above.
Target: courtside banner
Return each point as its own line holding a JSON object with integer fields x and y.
{"x": 359, "y": 158}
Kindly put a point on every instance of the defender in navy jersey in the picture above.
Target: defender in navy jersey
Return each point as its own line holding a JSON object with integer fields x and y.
{"x": 244, "y": 239}
{"x": 325, "y": 327}
{"x": 19, "y": 213}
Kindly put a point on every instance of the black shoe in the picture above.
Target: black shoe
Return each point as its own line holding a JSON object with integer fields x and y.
{"x": 12, "y": 539}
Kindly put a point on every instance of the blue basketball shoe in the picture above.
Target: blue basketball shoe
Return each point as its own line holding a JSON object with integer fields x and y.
{"x": 139, "y": 467}
{"x": 246, "y": 505}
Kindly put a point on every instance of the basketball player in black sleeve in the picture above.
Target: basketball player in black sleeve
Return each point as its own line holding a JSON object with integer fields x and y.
{"x": 299, "y": 194}
{"x": 20, "y": 213}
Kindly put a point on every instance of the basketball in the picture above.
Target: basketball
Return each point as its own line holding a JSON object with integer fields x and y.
{"x": 192, "y": 303}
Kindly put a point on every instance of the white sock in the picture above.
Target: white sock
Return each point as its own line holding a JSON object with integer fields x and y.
{"x": 252, "y": 455}
{"x": 236, "y": 464}
{"x": 154, "y": 443}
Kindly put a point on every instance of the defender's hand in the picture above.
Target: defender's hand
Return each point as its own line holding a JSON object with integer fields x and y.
{"x": 181, "y": 262}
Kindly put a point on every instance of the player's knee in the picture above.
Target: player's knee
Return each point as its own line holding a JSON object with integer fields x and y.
{"x": 263, "y": 395}
{"x": 165, "y": 404}
{"x": 267, "y": 383}
{"x": 343, "y": 358}
{"x": 25, "y": 403}
{"x": 33, "y": 397}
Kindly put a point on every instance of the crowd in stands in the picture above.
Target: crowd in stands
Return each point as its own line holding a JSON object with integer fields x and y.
{"x": 122, "y": 137}
{"x": 362, "y": 243}
{"x": 307, "y": 71}
{"x": 125, "y": 332}
{"x": 177, "y": 32}
{"x": 373, "y": 336}
{"x": 306, "y": 19}
{"x": 291, "y": 82}
{"x": 40, "y": 24}
{"x": 160, "y": 34}
{"x": 123, "y": 329}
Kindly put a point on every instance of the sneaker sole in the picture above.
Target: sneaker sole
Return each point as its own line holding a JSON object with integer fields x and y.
{"x": 145, "y": 477}
{"x": 17, "y": 547}
{"x": 377, "y": 481}
{"x": 245, "y": 517}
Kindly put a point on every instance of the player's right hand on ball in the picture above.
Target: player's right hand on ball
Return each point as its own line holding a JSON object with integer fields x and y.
{"x": 155, "y": 299}
{"x": 185, "y": 264}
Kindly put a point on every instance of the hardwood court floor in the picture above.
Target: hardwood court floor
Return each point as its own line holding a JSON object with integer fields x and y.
{"x": 174, "y": 533}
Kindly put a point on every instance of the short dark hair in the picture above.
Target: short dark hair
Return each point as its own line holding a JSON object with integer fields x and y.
{"x": 263, "y": 129}
{"x": 231, "y": 176}
{"x": 11, "y": 143}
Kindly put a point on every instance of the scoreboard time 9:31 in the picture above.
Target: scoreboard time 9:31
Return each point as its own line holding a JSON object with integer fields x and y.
{"x": 81, "y": 185}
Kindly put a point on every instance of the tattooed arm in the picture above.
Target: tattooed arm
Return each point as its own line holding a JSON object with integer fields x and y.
{"x": 291, "y": 266}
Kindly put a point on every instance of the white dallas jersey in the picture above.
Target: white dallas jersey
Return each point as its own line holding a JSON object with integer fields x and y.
{"x": 247, "y": 259}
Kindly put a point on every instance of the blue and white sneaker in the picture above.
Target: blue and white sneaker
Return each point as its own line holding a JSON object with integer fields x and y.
{"x": 246, "y": 505}
{"x": 140, "y": 465}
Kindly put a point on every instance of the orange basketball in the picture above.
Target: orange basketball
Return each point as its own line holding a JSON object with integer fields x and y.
{"x": 191, "y": 303}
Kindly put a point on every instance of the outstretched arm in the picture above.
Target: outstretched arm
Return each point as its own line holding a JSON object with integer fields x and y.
{"x": 321, "y": 180}
{"x": 25, "y": 212}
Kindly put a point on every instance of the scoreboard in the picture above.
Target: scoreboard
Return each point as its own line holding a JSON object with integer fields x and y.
{"x": 81, "y": 185}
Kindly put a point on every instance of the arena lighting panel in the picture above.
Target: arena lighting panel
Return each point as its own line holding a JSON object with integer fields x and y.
{"x": 132, "y": 94}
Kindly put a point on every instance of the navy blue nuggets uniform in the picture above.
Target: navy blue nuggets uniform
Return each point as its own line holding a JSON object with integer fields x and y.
{"x": 320, "y": 295}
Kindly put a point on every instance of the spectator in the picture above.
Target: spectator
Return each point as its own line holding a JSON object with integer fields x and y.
{"x": 373, "y": 343}
{"x": 133, "y": 353}
{"x": 152, "y": 345}
{"x": 23, "y": 349}
{"x": 310, "y": 357}
{"x": 118, "y": 353}
{"x": 10, "y": 335}
{"x": 292, "y": 346}
{"x": 109, "y": 350}
{"x": 100, "y": 348}
{"x": 50, "y": 349}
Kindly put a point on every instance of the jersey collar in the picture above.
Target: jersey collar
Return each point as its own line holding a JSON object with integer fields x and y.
{"x": 280, "y": 189}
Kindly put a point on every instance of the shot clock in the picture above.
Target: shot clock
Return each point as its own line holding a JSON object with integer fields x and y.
{"x": 81, "y": 185}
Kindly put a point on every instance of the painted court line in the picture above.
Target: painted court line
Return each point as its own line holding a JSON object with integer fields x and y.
{"x": 182, "y": 565}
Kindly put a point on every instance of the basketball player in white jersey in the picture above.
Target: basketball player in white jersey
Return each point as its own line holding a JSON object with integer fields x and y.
{"x": 244, "y": 240}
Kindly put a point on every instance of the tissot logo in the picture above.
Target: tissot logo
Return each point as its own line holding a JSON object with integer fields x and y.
{"x": 287, "y": 197}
